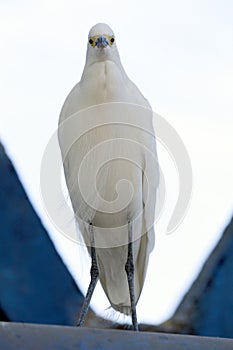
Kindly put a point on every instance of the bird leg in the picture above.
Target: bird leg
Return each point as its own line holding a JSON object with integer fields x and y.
{"x": 129, "y": 268}
{"x": 94, "y": 279}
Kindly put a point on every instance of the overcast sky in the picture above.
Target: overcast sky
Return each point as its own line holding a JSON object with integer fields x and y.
{"x": 180, "y": 55}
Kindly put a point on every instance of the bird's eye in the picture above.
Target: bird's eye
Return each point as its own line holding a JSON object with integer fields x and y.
{"x": 91, "y": 41}
{"x": 112, "y": 40}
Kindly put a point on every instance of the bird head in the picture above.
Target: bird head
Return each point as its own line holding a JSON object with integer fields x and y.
{"x": 101, "y": 41}
{"x": 101, "y": 36}
{"x": 101, "y": 44}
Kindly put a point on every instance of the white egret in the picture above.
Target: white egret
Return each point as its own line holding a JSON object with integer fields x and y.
{"x": 127, "y": 207}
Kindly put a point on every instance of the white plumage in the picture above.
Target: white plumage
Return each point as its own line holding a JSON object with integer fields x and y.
{"x": 104, "y": 81}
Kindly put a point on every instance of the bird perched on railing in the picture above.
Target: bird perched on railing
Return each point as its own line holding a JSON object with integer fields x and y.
{"x": 109, "y": 155}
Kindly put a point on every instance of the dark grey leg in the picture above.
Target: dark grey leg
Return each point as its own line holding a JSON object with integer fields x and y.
{"x": 94, "y": 279}
{"x": 129, "y": 268}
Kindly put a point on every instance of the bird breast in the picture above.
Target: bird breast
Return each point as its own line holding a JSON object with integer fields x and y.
{"x": 105, "y": 82}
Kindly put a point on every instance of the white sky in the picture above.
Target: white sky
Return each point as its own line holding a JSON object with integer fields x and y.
{"x": 180, "y": 55}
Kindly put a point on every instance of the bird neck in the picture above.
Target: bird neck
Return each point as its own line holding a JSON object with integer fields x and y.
{"x": 95, "y": 55}
{"x": 104, "y": 81}
{"x": 95, "y": 64}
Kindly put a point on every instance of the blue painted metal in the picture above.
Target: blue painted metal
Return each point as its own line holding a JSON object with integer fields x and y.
{"x": 37, "y": 337}
{"x": 35, "y": 285}
{"x": 214, "y": 310}
{"x": 207, "y": 308}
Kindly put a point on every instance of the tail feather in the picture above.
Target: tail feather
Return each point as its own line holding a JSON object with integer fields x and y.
{"x": 113, "y": 278}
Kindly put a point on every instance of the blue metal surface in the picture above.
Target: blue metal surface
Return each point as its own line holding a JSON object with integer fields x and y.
{"x": 37, "y": 337}
{"x": 35, "y": 285}
{"x": 214, "y": 312}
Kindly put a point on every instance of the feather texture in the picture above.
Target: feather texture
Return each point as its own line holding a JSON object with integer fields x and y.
{"x": 106, "y": 165}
